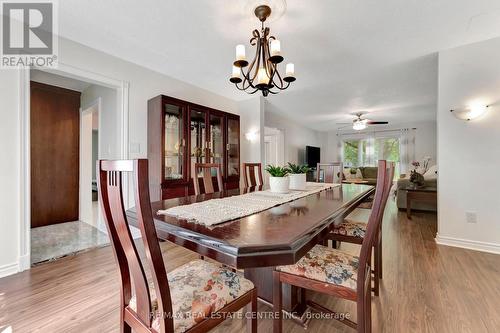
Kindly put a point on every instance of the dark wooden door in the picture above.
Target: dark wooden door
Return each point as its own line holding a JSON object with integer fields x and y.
{"x": 55, "y": 136}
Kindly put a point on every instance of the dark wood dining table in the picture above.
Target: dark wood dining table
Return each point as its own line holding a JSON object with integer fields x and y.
{"x": 259, "y": 242}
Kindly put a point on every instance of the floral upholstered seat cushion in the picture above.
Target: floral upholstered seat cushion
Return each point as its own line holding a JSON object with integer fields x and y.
{"x": 351, "y": 228}
{"x": 198, "y": 289}
{"x": 326, "y": 265}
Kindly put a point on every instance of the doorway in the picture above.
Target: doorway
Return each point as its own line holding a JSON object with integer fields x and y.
{"x": 65, "y": 140}
{"x": 274, "y": 148}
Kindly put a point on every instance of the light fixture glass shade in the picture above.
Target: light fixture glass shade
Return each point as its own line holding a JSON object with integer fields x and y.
{"x": 470, "y": 112}
{"x": 359, "y": 125}
{"x": 236, "y": 72}
{"x": 240, "y": 52}
{"x": 262, "y": 77}
{"x": 275, "y": 47}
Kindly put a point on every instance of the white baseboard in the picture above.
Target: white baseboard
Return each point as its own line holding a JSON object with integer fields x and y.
{"x": 468, "y": 244}
{"x": 9, "y": 269}
{"x": 24, "y": 262}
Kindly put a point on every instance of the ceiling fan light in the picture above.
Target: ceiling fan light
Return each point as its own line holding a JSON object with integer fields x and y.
{"x": 359, "y": 125}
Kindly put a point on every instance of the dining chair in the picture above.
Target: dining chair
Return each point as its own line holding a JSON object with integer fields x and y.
{"x": 329, "y": 172}
{"x": 353, "y": 228}
{"x": 194, "y": 297}
{"x": 206, "y": 169}
{"x": 249, "y": 172}
{"x": 334, "y": 272}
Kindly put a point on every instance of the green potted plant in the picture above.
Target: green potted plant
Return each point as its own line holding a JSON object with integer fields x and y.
{"x": 297, "y": 175}
{"x": 278, "y": 180}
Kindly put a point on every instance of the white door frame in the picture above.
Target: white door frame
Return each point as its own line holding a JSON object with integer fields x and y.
{"x": 84, "y": 110}
{"x": 122, "y": 89}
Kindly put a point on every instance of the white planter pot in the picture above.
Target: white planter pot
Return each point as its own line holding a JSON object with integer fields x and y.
{"x": 297, "y": 181}
{"x": 279, "y": 184}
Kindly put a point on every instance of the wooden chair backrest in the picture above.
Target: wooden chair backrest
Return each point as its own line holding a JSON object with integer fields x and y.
{"x": 249, "y": 170}
{"x": 208, "y": 185}
{"x": 384, "y": 184}
{"x": 131, "y": 269}
{"x": 329, "y": 172}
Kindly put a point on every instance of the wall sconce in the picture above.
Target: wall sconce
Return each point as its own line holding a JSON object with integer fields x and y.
{"x": 470, "y": 112}
{"x": 251, "y": 136}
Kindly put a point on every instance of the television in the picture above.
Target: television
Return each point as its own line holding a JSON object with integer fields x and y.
{"x": 312, "y": 156}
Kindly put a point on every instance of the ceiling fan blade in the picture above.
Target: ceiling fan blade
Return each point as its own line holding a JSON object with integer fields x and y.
{"x": 343, "y": 123}
{"x": 371, "y": 122}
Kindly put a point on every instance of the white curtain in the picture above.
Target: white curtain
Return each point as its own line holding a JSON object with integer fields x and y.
{"x": 406, "y": 150}
{"x": 340, "y": 149}
{"x": 369, "y": 151}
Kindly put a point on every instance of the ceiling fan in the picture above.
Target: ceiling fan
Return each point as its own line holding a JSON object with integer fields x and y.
{"x": 360, "y": 124}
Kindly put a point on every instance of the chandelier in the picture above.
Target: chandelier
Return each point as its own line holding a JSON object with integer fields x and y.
{"x": 262, "y": 73}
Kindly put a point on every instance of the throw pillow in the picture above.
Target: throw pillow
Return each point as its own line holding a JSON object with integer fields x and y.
{"x": 359, "y": 175}
{"x": 352, "y": 173}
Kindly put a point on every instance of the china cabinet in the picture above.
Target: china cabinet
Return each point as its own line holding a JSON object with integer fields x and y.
{"x": 181, "y": 134}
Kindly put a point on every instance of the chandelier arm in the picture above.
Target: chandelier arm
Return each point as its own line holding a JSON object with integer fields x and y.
{"x": 248, "y": 81}
{"x": 255, "y": 38}
{"x": 245, "y": 80}
{"x": 283, "y": 87}
{"x": 258, "y": 60}
{"x": 268, "y": 64}
{"x": 247, "y": 76}
{"x": 281, "y": 84}
{"x": 239, "y": 88}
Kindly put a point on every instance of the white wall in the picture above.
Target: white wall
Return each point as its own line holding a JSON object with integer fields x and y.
{"x": 251, "y": 115}
{"x": 469, "y": 152}
{"x": 108, "y": 118}
{"x": 144, "y": 84}
{"x": 9, "y": 172}
{"x": 297, "y": 137}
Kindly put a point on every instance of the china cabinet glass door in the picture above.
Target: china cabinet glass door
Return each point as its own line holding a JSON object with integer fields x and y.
{"x": 174, "y": 142}
{"x": 198, "y": 137}
{"x": 216, "y": 140}
{"x": 233, "y": 151}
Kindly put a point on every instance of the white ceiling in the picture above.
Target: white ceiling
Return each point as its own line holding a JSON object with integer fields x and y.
{"x": 350, "y": 55}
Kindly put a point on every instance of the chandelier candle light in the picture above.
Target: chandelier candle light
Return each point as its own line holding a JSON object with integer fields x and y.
{"x": 262, "y": 73}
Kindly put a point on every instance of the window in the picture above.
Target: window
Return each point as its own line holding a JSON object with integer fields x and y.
{"x": 367, "y": 151}
{"x": 352, "y": 152}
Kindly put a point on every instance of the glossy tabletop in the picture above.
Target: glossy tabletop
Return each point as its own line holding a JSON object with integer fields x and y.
{"x": 277, "y": 236}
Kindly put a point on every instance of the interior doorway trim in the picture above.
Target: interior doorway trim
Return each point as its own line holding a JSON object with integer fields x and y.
{"x": 122, "y": 89}
{"x": 84, "y": 110}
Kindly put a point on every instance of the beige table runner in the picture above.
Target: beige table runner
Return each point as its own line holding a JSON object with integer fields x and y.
{"x": 216, "y": 211}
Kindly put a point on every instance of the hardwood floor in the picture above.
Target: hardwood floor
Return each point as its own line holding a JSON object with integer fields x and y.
{"x": 426, "y": 288}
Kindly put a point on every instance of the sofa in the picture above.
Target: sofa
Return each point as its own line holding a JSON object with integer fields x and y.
{"x": 367, "y": 174}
